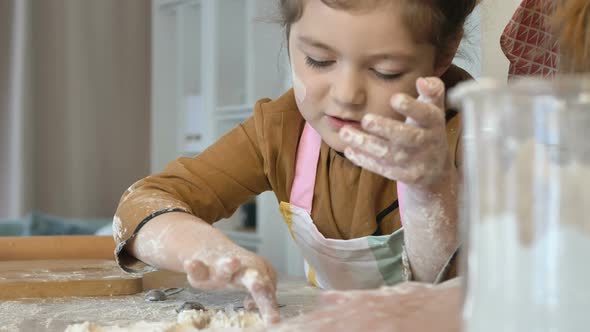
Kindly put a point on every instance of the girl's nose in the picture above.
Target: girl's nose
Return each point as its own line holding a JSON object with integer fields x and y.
{"x": 348, "y": 90}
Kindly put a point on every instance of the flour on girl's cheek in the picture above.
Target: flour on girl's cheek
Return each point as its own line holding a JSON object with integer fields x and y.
{"x": 299, "y": 87}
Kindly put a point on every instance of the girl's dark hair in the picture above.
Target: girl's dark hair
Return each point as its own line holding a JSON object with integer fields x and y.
{"x": 439, "y": 22}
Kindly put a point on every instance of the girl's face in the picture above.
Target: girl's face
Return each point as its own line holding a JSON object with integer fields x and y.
{"x": 349, "y": 63}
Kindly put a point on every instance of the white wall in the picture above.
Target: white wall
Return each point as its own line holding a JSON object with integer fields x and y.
{"x": 495, "y": 14}
{"x": 480, "y": 52}
{"x": 90, "y": 103}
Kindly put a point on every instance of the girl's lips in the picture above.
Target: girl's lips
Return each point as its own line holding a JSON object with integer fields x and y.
{"x": 337, "y": 123}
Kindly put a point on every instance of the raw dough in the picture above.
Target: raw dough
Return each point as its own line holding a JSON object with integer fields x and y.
{"x": 190, "y": 305}
{"x": 187, "y": 321}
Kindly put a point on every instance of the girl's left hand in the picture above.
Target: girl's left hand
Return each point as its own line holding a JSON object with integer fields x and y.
{"x": 414, "y": 152}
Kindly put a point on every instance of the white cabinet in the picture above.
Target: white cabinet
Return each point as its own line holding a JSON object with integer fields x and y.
{"x": 211, "y": 61}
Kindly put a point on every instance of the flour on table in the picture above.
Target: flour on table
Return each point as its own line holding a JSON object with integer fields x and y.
{"x": 187, "y": 321}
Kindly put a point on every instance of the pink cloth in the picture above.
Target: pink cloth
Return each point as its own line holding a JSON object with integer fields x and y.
{"x": 528, "y": 42}
{"x": 306, "y": 168}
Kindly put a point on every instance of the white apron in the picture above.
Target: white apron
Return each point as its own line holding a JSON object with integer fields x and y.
{"x": 362, "y": 263}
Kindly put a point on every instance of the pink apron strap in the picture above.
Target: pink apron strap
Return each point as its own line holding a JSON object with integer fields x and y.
{"x": 306, "y": 167}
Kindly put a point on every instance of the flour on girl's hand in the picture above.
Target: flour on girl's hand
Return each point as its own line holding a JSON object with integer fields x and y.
{"x": 118, "y": 229}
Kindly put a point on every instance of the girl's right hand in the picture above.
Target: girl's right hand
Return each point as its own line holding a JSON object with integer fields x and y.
{"x": 228, "y": 265}
{"x": 181, "y": 242}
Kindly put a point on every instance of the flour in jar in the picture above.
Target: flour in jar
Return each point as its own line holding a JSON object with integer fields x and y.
{"x": 528, "y": 244}
{"x": 514, "y": 286}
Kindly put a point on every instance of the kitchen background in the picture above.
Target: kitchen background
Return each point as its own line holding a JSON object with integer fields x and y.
{"x": 95, "y": 95}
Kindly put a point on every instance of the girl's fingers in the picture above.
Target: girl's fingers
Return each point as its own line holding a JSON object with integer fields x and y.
{"x": 199, "y": 275}
{"x": 196, "y": 270}
{"x": 262, "y": 291}
{"x": 406, "y": 174}
{"x": 423, "y": 114}
{"x": 397, "y": 132}
{"x": 431, "y": 90}
{"x": 249, "y": 303}
{"x": 381, "y": 148}
{"x": 225, "y": 269}
{"x": 272, "y": 275}
{"x": 369, "y": 143}
{"x": 386, "y": 152}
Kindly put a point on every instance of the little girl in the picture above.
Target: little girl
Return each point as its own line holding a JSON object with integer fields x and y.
{"x": 360, "y": 146}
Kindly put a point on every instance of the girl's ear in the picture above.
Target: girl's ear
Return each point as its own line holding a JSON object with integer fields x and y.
{"x": 445, "y": 58}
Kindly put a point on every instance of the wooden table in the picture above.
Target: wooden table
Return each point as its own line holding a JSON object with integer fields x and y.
{"x": 409, "y": 306}
{"x": 55, "y": 314}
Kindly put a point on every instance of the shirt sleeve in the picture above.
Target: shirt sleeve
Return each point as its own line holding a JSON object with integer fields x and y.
{"x": 211, "y": 186}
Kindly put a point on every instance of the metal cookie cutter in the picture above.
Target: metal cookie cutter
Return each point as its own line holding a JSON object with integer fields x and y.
{"x": 155, "y": 295}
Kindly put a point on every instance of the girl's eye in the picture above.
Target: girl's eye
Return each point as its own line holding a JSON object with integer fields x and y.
{"x": 317, "y": 64}
{"x": 387, "y": 77}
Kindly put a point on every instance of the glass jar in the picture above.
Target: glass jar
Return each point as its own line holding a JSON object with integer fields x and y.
{"x": 526, "y": 210}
